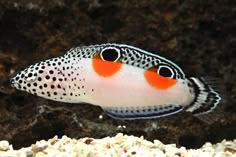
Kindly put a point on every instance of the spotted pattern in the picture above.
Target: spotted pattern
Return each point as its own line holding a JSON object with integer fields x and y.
{"x": 49, "y": 79}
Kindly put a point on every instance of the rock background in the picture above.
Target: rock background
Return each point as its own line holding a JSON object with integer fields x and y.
{"x": 200, "y": 36}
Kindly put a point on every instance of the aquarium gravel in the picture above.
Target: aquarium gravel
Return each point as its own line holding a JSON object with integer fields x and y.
{"x": 117, "y": 146}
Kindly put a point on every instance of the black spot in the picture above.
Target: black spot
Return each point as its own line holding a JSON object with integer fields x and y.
{"x": 49, "y": 94}
{"x": 71, "y": 94}
{"x": 47, "y": 77}
{"x": 39, "y": 79}
{"x": 40, "y": 71}
{"x": 40, "y": 87}
{"x": 58, "y": 86}
{"x": 52, "y": 86}
{"x": 17, "y": 78}
{"x": 64, "y": 94}
{"x": 28, "y": 84}
{"x": 34, "y": 90}
{"x": 60, "y": 79}
{"x": 54, "y": 79}
{"x": 59, "y": 63}
{"x": 43, "y": 67}
{"x": 42, "y": 93}
{"x": 35, "y": 84}
{"x": 55, "y": 93}
{"x": 20, "y": 81}
{"x": 45, "y": 85}
{"x": 51, "y": 72}
{"x": 110, "y": 55}
{"x": 24, "y": 88}
{"x": 30, "y": 75}
{"x": 165, "y": 71}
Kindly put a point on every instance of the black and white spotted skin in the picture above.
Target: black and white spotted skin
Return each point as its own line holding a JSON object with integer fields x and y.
{"x": 127, "y": 82}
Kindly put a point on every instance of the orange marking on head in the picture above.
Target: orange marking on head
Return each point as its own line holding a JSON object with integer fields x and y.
{"x": 105, "y": 68}
{"x": 158, "y": 81}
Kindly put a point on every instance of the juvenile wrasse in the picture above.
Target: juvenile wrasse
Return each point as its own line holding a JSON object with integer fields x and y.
{"x": 127, "y": 82}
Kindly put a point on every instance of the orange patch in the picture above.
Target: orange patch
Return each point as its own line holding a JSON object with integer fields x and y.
{"x": 158, "y": 81}
{"x": 105, "y": 68}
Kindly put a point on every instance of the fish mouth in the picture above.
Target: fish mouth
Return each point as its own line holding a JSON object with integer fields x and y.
{"x": 13, "y": 82}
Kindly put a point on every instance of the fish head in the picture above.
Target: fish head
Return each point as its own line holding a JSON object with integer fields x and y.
{"x": 43, "y": 78}
{"x": 26, "y": 78}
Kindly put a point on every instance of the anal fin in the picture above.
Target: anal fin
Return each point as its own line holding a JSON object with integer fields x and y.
{"x": 146, "y": 112}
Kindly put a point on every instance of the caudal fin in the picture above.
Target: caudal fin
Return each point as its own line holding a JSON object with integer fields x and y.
{"x": 206, "y": 99}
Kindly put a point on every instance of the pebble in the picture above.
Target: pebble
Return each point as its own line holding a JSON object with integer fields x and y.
{"x": 4, "y": 145}
{"x": 117, "y": 146}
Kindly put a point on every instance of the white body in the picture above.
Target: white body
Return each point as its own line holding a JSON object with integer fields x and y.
{"x": 126, "y": 88}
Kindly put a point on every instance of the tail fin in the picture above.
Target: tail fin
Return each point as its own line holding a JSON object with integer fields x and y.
{"x": 206, "y": 99}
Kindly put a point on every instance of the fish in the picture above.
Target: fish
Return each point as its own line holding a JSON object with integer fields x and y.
{"x": 128, "y": 83}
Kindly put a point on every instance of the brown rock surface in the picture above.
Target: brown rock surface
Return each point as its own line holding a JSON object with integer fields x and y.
{"x": 199, "y": 36}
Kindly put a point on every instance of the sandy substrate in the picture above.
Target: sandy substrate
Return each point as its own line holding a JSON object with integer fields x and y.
{"x": 120, "y": 145}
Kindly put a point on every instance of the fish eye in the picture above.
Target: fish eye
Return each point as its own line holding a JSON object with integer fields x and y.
{"x": 165, "y": 71}
{"x": 110, "y": 54}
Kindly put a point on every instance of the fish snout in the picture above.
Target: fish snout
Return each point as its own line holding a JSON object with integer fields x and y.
{"x": 13, "y": 82}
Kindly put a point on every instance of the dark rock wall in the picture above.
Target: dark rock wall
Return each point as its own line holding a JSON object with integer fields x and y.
{"x": 198, "y": 35}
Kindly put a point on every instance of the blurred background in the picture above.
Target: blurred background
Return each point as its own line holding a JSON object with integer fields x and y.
{"x": 199, "y": 36}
